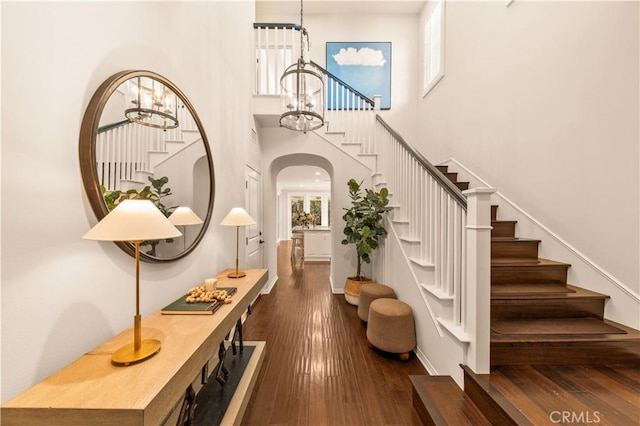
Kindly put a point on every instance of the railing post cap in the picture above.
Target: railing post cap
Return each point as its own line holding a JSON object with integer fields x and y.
{"x": 479, "y": 191}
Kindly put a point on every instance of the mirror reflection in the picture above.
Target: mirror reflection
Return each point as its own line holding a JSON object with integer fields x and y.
{"x": 150, "y": 144}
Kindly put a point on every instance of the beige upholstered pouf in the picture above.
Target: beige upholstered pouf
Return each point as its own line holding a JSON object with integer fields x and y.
{"x": 391, "y": 327}
{"x": 369, "y": 293}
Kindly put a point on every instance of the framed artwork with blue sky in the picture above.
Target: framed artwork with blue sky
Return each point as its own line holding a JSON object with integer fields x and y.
{"x": 365, "y": 66}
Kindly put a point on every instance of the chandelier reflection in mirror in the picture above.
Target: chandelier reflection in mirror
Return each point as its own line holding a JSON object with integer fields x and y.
{"x": 155, "y": 105}
{"x": 302, "y": 92}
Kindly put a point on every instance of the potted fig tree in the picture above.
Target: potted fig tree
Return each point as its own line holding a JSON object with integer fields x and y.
{"x": 363, "y": 227}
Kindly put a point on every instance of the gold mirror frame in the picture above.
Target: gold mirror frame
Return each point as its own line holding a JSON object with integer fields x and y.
{"x": 87, "y": 154}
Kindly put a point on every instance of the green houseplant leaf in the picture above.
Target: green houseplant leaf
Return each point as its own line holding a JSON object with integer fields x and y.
{"x": 363, "y": 222}
{"x": 154, "y": 192}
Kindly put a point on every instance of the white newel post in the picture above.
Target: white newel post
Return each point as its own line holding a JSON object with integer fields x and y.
{"x": 477, "y": 299}
{"x": 377, "y": 101}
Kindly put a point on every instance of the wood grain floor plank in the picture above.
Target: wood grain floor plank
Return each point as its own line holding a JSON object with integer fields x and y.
{"x": 318, "y": 369}
{"x": 582, "y": 393}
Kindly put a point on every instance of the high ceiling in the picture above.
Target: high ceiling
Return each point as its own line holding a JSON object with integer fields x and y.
{"x": 304, "y": 178}
{"x": 276, "y": 7}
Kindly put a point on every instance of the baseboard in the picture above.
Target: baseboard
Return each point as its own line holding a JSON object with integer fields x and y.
{"x": 425, "y": 362}
{"x": 267, "y": 288}
{"x": 335, "y": 290}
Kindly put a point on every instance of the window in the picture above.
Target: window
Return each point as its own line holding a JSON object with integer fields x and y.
{"x": 315, "y": 208}
{"x": 297, "y": 207}
{"x": 317, "y": 204}
{"x": 434, "y": 47}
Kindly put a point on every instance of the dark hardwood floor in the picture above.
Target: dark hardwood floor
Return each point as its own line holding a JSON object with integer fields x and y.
{"x": 603, "y": 394}
{"x": 318, "y": 369}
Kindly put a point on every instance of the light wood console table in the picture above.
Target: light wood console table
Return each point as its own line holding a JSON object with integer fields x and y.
{"x": 93, "y": 391}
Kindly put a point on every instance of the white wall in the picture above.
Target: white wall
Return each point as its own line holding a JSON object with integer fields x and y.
{"x": 399, "y": 29}
{"x": 541, "y": 100}
{"x": 62, "y": 295}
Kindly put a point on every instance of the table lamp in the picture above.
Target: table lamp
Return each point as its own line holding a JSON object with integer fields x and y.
{"x": 237, "y": 217}
{"x": 135, "y": 221}
{"x": 184, "y": 216}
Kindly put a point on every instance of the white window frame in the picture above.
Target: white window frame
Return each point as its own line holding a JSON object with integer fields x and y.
{"x": 324, "y": 197}
{"x": 432, "y": 31}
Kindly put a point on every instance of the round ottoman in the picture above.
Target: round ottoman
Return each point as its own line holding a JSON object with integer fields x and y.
{"x": 369, "y": 293}
{"x": 391, "y": 327}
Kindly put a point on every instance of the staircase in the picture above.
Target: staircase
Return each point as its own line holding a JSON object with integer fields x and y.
{"x": 520, "y": 319}
{"x": 539, "y": 323}
{"x": 128, "y": 153}
{"x": 537, "y": 318}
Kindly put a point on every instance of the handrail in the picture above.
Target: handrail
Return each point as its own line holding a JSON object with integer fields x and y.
{"x": 108, "y": 127}
{"x": 453, "y": 190}
{"x": 342, "y": 83}
{"x": 272, "y": 25}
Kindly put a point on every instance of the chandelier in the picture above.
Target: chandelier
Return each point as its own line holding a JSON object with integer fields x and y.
{"x": 302, "y": 92}
{"x": 155, "y": 105}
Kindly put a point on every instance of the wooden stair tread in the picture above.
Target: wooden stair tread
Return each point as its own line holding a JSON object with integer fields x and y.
{"x": 630, "y": 335}
{"x": 511, "y": 290}
{"x": 554, "y": 327}
{"x": 440, "y": 401}
{"x": 542, "y": 291}
{"x": 560, "y": 350}
{"x": 510, "y": 262}
{"x": 512, "y": 239}
{"x": 513, "y": 262}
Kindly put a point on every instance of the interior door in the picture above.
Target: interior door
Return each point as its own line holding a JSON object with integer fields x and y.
{"x": 253, "y": 233}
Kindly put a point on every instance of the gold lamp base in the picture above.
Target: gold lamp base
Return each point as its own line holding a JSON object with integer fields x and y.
{"x": 237, "y": 274}
{"x": 127, "y": 354}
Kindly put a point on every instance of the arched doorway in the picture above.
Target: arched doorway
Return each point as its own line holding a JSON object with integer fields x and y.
{"x": 282, "y": 149}
{"x": 303, "y": 192}
{"x": 287, "y": 174}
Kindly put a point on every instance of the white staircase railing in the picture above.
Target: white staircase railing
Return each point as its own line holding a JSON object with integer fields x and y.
{"x": 123, "y": 149}
{"x": 434, "y": 212}
{"x": 347, "y": 111}
{"x": 350, "y": 112}
{"x": 446, "y": 235}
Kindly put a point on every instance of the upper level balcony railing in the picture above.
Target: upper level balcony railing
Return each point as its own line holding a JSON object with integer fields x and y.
{"x": 347, "y": 110}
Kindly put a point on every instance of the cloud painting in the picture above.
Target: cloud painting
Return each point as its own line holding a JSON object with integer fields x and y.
{"x": 364, "y": 66}
{"x": 365, "y": 56}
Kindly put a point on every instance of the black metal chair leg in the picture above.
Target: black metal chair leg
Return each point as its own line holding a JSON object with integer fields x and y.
{"x": 237, "y": 334}
{"x": 239, "y": 331}
{"x": 221, "y": 370}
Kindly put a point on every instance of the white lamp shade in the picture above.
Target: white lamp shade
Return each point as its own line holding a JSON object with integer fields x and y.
{"x": 237, "y": 217}
{"x": 184, "y": 216}
{"x": 133, "y": 220}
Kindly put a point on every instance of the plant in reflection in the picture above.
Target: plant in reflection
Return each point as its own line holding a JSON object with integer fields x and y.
{"x": 155, "y": 192}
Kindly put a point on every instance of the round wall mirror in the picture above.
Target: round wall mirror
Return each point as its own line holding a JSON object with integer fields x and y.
{"x": 141, "y": 138}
